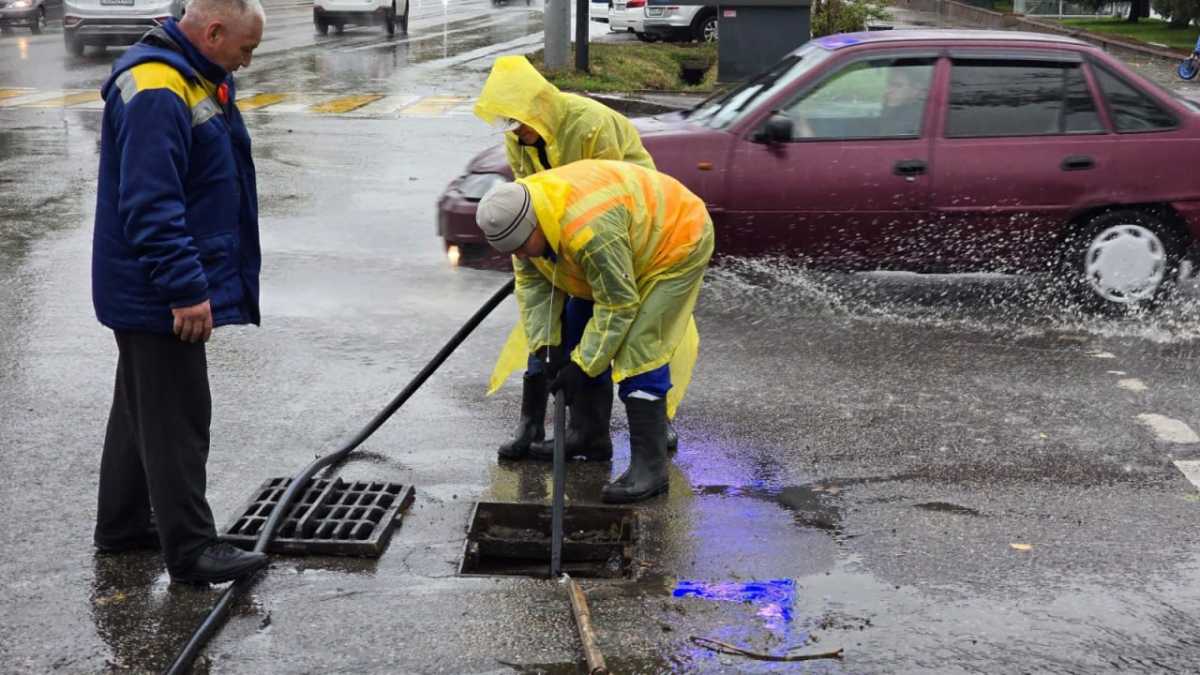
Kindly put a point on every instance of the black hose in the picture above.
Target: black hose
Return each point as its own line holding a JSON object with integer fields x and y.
{"x": 216, "y": 616}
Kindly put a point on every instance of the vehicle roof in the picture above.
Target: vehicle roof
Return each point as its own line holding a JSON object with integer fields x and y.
{"x": 959, "y": 36}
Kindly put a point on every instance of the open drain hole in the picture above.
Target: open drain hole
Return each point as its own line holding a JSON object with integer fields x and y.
{"x": 514, "y": 540}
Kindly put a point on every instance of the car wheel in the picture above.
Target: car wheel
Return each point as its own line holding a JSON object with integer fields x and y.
{"x": 646, "y": 37}
{"x": 1123, "y": 259}
{"x": 340, "y": 28}
{"x": 389, "y": 20}
{"x": 5, "y": 29}
{"x": 706, "y": 28}
{"x": 39, "y": 23}
{"x": 404, "y": 20}
{"x": 321, "y": 26}
{"x": 74, "y": 45}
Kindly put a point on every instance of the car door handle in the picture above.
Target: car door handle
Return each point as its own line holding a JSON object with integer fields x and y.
{"x": 909, "y": 167}
{"x": 1078, "y": 163}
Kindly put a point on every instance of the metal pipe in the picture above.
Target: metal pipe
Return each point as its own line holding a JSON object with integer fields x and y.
{"x": 560, "y": 484}
{"x": 583, "y": 622}
{"x": 216, "y": 616}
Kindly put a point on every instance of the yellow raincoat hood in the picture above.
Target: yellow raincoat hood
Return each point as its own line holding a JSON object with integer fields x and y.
{"x": 573, "y": 127}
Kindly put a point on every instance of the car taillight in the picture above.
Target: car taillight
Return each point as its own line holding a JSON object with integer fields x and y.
{"x": 70, "y": 21}
{"x": 634, "y": 4}
{"x": 161, "y": 19}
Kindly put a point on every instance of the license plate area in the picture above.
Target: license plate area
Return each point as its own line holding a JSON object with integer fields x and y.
{"x": 116, "y": 3}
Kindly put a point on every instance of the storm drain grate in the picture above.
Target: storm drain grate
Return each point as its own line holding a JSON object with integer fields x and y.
{"x": 514, "y": 540}
{"x": 331, "y": 517}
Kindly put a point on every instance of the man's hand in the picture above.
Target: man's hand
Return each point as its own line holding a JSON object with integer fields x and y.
{"x": 569, "y": 381}
{"x": 554, "y": 358}
{"x": 195, "y": 323}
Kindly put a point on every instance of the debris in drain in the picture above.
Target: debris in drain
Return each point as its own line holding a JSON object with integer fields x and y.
{"x": 726, "y": 648}
{"x": 514, "y": 539}
{"x": 330, "y": 517}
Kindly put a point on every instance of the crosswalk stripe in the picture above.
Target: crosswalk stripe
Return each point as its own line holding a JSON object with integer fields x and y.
{"x": 1190, "y": 469}
{"x": 345, "y": 104}
{"x": 12, "y": 93}
{"x": 258, "y": 101}
{"x": 432, "y": 106}
{"x": 67, "y": 100}
{"x": 30, "y": 98}
{"x": 388, "y": 105}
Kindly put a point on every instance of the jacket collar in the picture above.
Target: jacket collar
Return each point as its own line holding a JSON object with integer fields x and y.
{"x": 207, "y": 69}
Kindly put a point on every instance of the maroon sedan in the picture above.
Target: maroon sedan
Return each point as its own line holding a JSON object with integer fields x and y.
{"x": 932, "y": 151}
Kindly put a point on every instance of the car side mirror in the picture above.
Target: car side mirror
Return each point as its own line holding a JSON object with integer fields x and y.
{"x": 779, "y": 129}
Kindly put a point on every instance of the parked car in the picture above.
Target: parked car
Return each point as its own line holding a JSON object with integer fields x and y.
{"x": 342, "y": 13}
{"x": 113, "y": 22}
{"x": 627, "y": 16}
{"x": 933, "y": 151}
{"x": 666, "y": 21}
{"x": 599, "y": 10}
{"x": 30, "y": 13}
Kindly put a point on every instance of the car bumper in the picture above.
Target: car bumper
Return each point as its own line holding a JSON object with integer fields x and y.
{"x": 340, "y": 15}
{"x": 18, "y": 17}
{"x": 462, "y": 238}
{"x": 125, "y": 31}
{"x": 665, "y": 28}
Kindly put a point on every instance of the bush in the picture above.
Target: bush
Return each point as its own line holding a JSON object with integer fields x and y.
{"x": 844, "y": 16}
{"x": 1179, "y": 12}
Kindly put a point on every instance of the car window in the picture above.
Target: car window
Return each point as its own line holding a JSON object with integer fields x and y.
{"x": 1132, "y": 110}
{"x": 879, "y": 98}
{"x": 726, "y": 109}
{"x": 998, "y": 97}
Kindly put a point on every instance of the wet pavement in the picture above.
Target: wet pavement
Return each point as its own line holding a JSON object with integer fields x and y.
{"x": 936, "y": 473}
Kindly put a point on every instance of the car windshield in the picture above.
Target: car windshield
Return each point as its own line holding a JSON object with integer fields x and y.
{"x": 725, "y": 108}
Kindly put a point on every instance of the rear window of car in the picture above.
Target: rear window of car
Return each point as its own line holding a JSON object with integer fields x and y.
{"x": 1131, "y": 109}
{"x": 1000, "y": 97}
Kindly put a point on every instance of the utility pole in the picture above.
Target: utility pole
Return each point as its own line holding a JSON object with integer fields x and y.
{"x": 583, "y": 20}
{"x": 558, "y": 33}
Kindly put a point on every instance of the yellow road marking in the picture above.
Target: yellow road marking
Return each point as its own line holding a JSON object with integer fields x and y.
{"x": 432, "y": 105}
{"x": 68, "y": 100}
{"x": 260, "y": 101}
{"x": 10, "y": 93}
{"x": 345, "y": 103}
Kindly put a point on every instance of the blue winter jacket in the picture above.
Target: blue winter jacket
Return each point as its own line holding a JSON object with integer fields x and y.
{"x": 177, "y": 207}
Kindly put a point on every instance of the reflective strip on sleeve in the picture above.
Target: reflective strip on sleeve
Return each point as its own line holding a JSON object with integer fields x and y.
{"x": 127, "y": 85}
{"x": 204, "y": 111}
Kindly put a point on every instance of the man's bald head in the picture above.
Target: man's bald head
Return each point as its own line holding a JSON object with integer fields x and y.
{"x": 225, "y": 31}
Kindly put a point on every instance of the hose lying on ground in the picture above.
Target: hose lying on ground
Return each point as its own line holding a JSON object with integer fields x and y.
{"x": 217, "y": 615}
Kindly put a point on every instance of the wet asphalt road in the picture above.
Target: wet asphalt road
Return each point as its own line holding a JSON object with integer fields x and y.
{"x": 868, "y": 448}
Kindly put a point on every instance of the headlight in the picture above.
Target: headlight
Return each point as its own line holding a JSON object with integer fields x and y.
{"x": 476, "y": 185}
{"x": 21, "y": 4}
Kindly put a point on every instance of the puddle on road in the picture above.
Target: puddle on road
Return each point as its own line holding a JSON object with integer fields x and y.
{"x": 356, "y": 61}
{"x": 944, "y": 507}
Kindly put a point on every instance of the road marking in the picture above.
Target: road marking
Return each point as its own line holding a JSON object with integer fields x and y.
{"x": 259, "y": 101}
{"x": 345, "y": 104}
{"x": 12, "y": 93}
{"x": 1132, "y": 384}
{"x": 1169, "y": 429}
{"x": 31, "y": 98}
{"x": 67, "y": 100}
{"x": 433, "y": 106}
{"x": 1102, "y": 355}
{"x": 1116, "y": 372}
{"x": 388, "y": 105}
{"x": 1190, "y": 469}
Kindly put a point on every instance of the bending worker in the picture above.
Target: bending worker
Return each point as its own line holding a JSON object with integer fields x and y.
{"x": 545, "y": 129}
{"x": 636, "y": 243}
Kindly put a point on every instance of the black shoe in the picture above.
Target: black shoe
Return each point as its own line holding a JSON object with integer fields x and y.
{"x": 647, "y": 473}
{"x": 532, "y": 427}
{"x": 588, "y": 436}
{"x": 221, "y": 562}
{"x": 146, "y": 541}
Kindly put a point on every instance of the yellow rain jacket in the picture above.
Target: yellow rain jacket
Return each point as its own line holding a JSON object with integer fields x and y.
{"x": 573, "y": 127}
{"x": 636, "y": 242}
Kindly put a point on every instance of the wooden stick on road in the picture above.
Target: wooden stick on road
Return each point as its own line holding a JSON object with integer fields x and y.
{"x": 583, "y": 621}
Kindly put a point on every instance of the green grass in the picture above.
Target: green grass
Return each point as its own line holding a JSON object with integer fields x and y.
{"x": 634, "y": 67}
{"x": 1145, "y": 30}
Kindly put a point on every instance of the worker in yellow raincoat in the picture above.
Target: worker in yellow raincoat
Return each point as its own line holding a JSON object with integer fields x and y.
{"x": 547, "y": 128}
{"x": 636, "y": 243}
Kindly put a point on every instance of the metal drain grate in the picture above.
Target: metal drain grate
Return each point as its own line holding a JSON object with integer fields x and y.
{"x": 331, "y": 517}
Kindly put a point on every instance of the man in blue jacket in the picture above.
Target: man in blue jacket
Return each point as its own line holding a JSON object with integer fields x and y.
{"x": 175, "y": 254}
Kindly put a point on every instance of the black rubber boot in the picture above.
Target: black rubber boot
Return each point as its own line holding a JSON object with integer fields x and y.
{"x": 532, "y": 427}
{"x": 647, "y": 473}
{"x": 588, "y": 436}
{"x": 672, "y": 438}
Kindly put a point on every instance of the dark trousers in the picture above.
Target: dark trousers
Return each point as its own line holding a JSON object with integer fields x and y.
{"x": 156, "y": 447}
